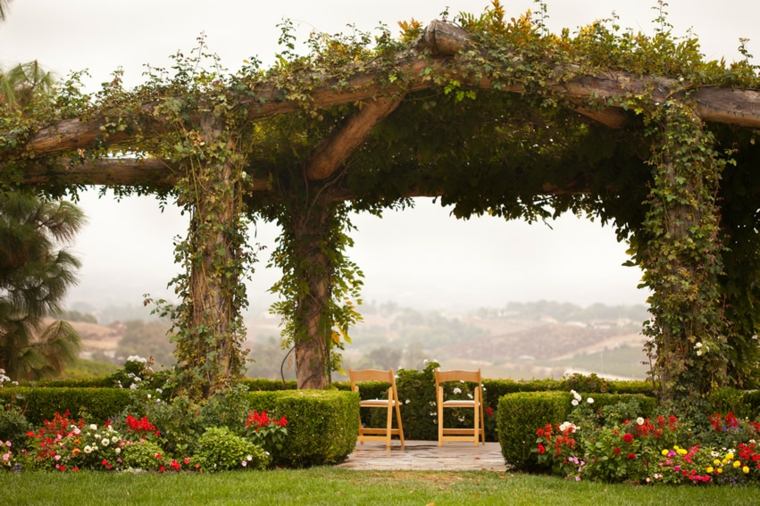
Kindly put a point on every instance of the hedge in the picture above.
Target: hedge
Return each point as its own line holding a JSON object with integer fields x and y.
{"x": 41, "y": 403}
{"x": 521, "y": 413}
{"x": 322, "y": 425}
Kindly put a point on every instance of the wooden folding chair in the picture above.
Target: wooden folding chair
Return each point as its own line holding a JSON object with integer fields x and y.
{"x": 475, "y": 434}
{"x": 391, "y": 403}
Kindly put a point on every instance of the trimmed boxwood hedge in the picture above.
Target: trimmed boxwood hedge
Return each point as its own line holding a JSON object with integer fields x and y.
{"x": 41, "y": 403}
{"x": 322, "y": 424}
{"x": 521, "y": 413}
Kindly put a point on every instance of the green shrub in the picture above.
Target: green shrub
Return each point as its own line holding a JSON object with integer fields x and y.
{"x": 219, "y": 449}
{"x": 13, "y": 425}
{"x": 322, "y": 425}
{"x": 266, "y": 385}
{"x": 751, "y": 400}
{"x": 178, "y": 420}
{"x": 723, "y": 400}
{"x": 518, "y": 417}
{"x": 227, "y": 408}
{"x": 520, "y": 414}
{"x": 41, "y": 403}
{"x": 143, "y": 455}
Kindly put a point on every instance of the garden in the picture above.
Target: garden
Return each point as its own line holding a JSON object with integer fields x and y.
{"x": 491, "y": 114}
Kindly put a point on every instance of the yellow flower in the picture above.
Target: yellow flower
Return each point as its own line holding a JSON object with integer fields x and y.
{"x": 709, "y": 469}
{"x": 737, "y": 463}
{"x": 719, "y": 470}
{"x": 675, "y": 447}
{"x": 729, "y": 456}
{"x": 716, "y": 462}
{"x": 682, "y": 451}
{"x": 664, "y": 452}
{"x": 745, "y": 469}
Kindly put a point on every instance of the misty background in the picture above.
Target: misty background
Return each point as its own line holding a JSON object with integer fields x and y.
{"x": 434, "y": 285}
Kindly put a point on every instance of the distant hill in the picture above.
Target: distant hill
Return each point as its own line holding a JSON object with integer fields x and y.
{"x": 519, "y": 340}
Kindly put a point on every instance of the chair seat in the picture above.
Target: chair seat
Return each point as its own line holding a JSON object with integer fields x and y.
{"x": 373, "y": 403}
{"x": 459, "y": 404}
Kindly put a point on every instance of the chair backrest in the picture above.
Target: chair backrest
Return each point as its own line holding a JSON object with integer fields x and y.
{"x": 362, "y": 375}
{"x": 448, "y": 376}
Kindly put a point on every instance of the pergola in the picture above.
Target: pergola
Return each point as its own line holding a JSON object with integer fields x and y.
{"x": 457, "y": 113}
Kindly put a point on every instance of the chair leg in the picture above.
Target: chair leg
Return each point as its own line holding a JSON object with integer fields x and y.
{"x": 476, "y": 431}
{"x": 388, "y": 426}
{"x": 400, "y": 424}
{"x": 440, "y": 417}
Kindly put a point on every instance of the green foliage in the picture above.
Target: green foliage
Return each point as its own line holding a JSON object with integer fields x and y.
{"x": 145, "y": 455}
{"x": 680, "y": 251}
{"x": 177, "y": 419}
{"x": 322, "y": 425}
{"x": 256, "y": 384}
{"x": 219, "y": 449}
{"x": 41, "y": 403}
{"x": 519, "y": 415}
{"x": 13, "y": 424}
{"x": 34, "y": 275}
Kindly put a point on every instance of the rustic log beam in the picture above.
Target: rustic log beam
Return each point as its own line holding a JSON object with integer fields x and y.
{"x": 335, "y": 149}
{"x": 722, "y": 105}
{"x": 111, "y": 172}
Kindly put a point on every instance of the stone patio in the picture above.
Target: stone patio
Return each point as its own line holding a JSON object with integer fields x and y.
{"x": 425, "y": 456}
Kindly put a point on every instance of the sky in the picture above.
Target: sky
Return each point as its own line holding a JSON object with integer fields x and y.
{"x": 421, "y": 257}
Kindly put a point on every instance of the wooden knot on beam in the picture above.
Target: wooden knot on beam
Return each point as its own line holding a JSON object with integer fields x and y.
{"x": 444, "y": 39}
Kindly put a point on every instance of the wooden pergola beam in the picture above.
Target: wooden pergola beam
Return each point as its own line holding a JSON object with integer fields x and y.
{"x": 722, "y": 105}
{"x": 332, "y": 152}
{"x": 111, "y": 172}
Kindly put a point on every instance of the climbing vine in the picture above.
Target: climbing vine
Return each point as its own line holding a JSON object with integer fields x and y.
{"x": 680, "y": 250}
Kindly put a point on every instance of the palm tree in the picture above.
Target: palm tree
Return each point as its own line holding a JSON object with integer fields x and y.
{"x": 19, "y": 85}
{"x": 34, "y": 276}
{"x": 3, "y": 9}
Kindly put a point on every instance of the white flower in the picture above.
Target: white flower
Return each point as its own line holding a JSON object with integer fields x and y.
{"x": 88, "y": 449}
{"x": 407, "y": 401}
{"x": 105, "y": 441}
{"x": 432, "y": 413}
{"x": 133, "y": 386}
{"x": 114, "y": 439}
{"x": 431, "y": 403}
{"x": 249, "y": 458}
{"x": 574, "y": 402}
{"x": 698, "y": 345}
{"x": 714, "y": 454}
{"x": 699, "y": 353}
{"x": 137, "y": 358}
{"x": 76, "y": 431}
{"x": 461, "y": 419}
{"x": 244, "y": 463}
{"x": 639, "y": 421}
{"x": 590, "y": 400}
{"x": 469, "y": 395}
{"x": 118, "y": 451}
{"x": 93, "y": 426}
{"x": 457, "y": 390}
{"x": 149, "y": 396}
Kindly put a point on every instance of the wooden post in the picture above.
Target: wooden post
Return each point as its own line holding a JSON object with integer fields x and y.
{"x": 311, "y": 229}
{"x": 210, "y": 347}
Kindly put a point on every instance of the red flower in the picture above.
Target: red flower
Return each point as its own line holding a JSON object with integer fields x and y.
{"x": 75, "y": 469}
{"x": 282, "y": 422}
{"x": 158, "y": 456}
{"x": 175, "y": 465}
{"x": 161, "y": 469}
{"x": 616, "y": 450}
{"x": 540, "y": 432}
{"x": 141, "y": 426}
{"x": 257, "y": 420}
{"x": 731, "y": 420}
{"x": 541, "y": 449}
{"x": 631, "y": 456}
{"x": 489, "y": 411}
{"x": 186, "y": 461}
{"x": 628, "y": 437}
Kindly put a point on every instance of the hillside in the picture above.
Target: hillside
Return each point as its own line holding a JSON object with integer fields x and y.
{"x": 520, "y": 340}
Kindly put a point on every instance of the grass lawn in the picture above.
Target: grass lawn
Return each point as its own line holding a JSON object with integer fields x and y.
{"x": 332, "y": 486}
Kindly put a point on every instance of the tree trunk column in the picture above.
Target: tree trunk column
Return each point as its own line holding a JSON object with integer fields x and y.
{"x": 211, "y": 348}
{"x": 682, "y": 256}
{"x": 311, "y": 230}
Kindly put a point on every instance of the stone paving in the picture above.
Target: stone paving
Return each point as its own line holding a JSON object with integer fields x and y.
{"x": 425, "y": 456}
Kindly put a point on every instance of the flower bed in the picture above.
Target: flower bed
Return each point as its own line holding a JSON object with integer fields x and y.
{"x": 625, "y": 443}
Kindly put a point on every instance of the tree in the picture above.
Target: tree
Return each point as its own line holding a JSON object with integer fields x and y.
{"x": 34, "y": 275}
{"x": 3, "y": 9}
